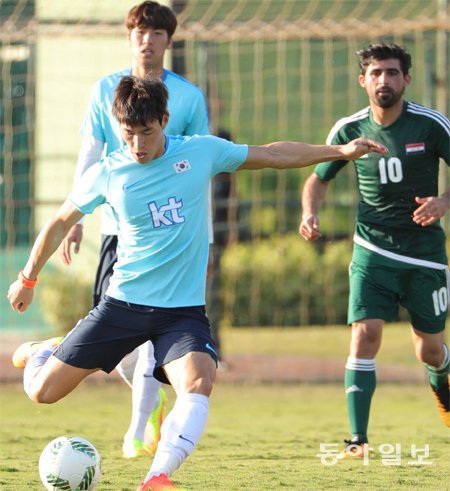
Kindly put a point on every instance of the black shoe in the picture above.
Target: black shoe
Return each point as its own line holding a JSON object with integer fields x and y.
{"x": 442, "y": 398}
{"x": 356, "y": 448}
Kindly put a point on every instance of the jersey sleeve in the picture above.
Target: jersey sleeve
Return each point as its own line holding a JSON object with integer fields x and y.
{"x": 91, "y": 188}
{"x": 326, "y": 171}
{"x": 92, "y": 122}
{"x": 443, "y": 138}
{"x": 227, "y": 156}
{"x": 90, "y": 152}
{"x": 199, "y": 121}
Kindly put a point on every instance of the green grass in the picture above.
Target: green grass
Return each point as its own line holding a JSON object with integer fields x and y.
{"x": 258, "y": 438}
{"x": 325, "y": 342}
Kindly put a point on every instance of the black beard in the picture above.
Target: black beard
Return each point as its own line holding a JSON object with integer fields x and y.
{"x": 388, "y": 99}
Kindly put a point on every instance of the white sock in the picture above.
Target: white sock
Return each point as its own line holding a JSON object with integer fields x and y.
{"x": 34, "y": 365}
{"x": 127, "y": 365}
{"x": 446, "y": 360}
{"x": 145, "y": 391}
{"x": 180, "y": 433}
{"x": 360, "y": 364}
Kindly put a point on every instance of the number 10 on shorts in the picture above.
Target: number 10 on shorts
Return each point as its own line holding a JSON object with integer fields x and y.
{"x": 440, "y": 300}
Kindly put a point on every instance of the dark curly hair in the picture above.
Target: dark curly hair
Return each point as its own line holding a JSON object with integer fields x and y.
{"x": 383, "y": 51}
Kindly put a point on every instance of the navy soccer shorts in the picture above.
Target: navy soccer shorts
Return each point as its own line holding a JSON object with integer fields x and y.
{"x": 115, "y": 328}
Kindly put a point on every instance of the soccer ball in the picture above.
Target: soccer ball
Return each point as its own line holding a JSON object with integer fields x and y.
{"x": 70, "y": 463}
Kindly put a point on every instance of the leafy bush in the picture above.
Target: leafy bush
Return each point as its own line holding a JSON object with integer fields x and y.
{"x": 65, "y": 299}
{"x": 285, "y": 281}
{"x": 334, "y": 282}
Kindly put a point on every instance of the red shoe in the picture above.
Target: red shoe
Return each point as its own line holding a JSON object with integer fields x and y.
{"x": 158, "y": 483}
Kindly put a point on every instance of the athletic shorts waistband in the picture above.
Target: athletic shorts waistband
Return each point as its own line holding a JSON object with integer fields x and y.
{"x": 149, "y": 308}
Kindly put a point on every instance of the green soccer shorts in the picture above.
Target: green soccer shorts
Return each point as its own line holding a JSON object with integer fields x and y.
{"x": 376, "y": 291}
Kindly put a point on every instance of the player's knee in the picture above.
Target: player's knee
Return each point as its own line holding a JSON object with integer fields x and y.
{"x": 42, "y": 394}
{"x": 429, "y": 354}
{"x": 430, "y": 357}
{"x": 39, "y": 396}
{"x": 365, "y": 341}
{"x": 200, "y": 385}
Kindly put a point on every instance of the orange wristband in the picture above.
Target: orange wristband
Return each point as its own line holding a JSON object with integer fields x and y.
{"x": 27, "y": 283}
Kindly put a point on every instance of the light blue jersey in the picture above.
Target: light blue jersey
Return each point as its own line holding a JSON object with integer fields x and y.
{"x": 161, "y": 210}
{"x": 188, "y": 115}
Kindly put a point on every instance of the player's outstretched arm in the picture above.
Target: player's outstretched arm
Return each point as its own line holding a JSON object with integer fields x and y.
{"x": 313, "y": 195}
{"x": 431, "y": 209}
{"x": 48, "y": 240}
{"x": 291, "y": 155}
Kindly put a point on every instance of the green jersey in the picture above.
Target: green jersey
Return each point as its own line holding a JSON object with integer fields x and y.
{"x": 388, "y": 184}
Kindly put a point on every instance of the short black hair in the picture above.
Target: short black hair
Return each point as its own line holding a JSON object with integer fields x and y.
{"x": 138, "y": 101}
{"x": 383, "y": 51}
{"x": 152, "y": 15}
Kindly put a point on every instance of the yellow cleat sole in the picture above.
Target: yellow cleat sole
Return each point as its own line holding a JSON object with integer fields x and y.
{"x": 24, "y": 352}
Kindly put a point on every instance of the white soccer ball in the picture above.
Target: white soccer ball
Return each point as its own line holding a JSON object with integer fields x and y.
{"x": 70, "y": 463}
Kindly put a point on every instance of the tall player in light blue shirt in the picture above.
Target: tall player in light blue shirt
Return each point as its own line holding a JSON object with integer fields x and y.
{"x": 188, "y": 116}
{"x": 157, "y": 187}
{"x": 150, "y": 30}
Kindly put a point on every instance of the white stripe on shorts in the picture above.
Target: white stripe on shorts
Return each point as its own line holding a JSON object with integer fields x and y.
{"x": 397, "y": 257}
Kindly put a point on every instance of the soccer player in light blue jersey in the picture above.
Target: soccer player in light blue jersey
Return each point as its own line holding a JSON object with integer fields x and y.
{"x": 157, "y": 186}
{"x": 150, "y": 29}
{"x": 399, "y": 255}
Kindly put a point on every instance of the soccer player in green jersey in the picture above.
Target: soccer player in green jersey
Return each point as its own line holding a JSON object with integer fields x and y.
{"x": 399, "y": 255}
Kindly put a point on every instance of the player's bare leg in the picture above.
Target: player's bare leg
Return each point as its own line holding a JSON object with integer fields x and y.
{"x": 47, "y": 379}
{"x": 432, "y": 351}
{"x": 192, "y": 378}
{"x": 54, "y": 380}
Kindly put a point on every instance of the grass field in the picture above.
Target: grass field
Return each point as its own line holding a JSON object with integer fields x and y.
{"x": 259, "y": 437}
{"x": 324, "y": 342}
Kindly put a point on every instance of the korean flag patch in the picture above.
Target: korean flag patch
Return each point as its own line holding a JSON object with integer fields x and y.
{"x": 182, "y": 166}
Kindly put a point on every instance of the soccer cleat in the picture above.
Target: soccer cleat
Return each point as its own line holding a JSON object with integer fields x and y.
{"x": 152, "y": 432}
{"x": 158, "y": 483}
{"x": 26, "y": 350}
{"x": 355, "y": 449}
{"x": 133, "y": 447}
{"x": 442, "y": 398}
